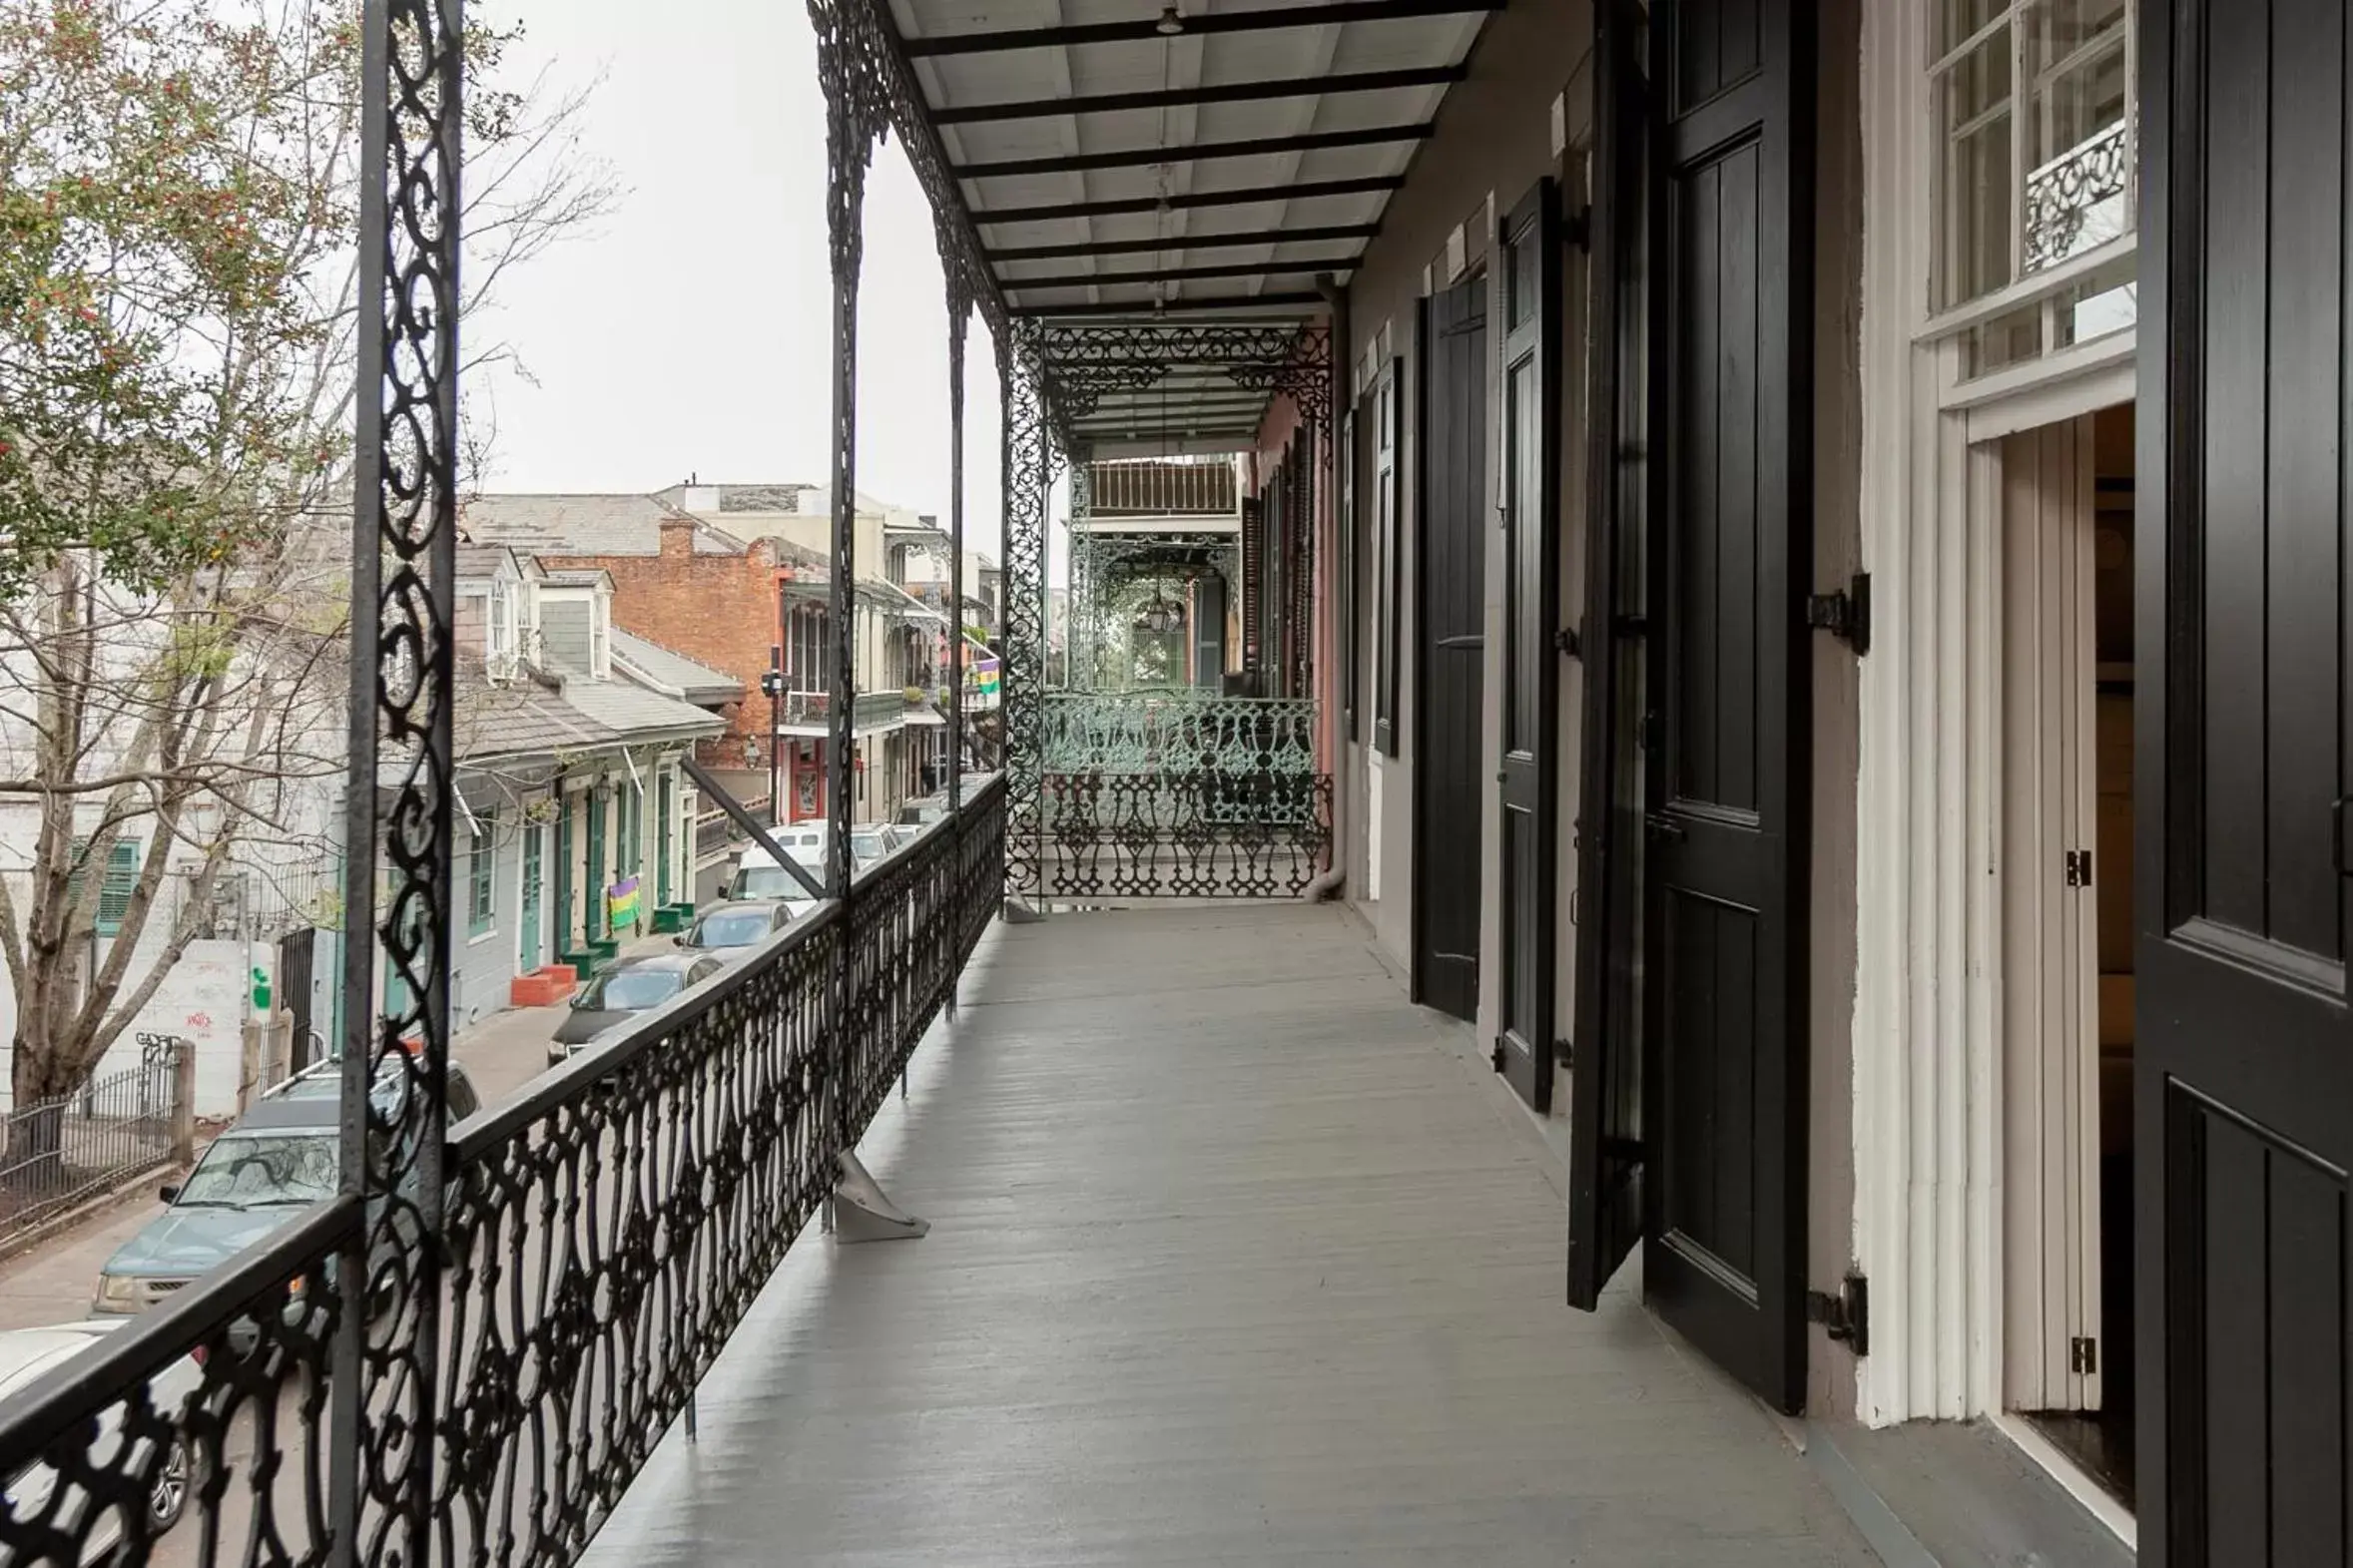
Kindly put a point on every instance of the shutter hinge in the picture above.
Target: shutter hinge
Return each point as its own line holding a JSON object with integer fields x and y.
{"x": 1846, "y": 1316}
{"x": 1845, "y": 614}
{"x": 1500, "y": 1056}
{"x": 1566, "y": 640}
{"x": 1654, "y": 731}
{"x": 1576, "y": 228}
{"x": 2083, "y": 1356}
{"x": 1564, "y": 1054}
{"x": 2077, "y": 865}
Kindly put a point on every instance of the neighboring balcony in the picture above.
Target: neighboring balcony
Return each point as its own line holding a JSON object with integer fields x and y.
{"x": 810, "y": 714}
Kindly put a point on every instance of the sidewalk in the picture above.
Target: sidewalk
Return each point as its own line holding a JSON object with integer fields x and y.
{"x": 53, "y": 1280}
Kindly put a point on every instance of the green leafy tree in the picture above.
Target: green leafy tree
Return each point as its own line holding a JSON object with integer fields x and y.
{"x": 179, "y": 299}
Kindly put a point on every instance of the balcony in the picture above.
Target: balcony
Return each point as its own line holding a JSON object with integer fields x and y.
{"x": 1263, "y": 1272}
{"x": 1266, "y": 1269}
{"x": 806, "y": 713}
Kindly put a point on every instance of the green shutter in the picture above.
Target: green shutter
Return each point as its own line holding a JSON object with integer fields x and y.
{"x": 114, "y": 890}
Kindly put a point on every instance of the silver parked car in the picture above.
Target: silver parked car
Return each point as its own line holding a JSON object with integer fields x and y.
{"x": 31, "y": 1494}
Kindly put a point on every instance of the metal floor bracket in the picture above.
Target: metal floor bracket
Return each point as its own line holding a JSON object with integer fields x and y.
{"x": 862, "y": 1212}
{"x": 1019, "y": 912}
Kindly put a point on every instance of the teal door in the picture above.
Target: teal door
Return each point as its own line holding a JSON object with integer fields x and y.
{"x": 662, "y": 827}
{"x": 564, "y": 878}
{"x": 527, "y": 955}
{"x": 597, "y": 868}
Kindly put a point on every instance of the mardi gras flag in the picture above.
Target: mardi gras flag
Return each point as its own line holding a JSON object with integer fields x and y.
{"x": 984, "y": 676}
{"x": 621, "y": 903}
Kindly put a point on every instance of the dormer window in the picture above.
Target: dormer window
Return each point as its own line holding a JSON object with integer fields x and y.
{"x": 502, "y": 639}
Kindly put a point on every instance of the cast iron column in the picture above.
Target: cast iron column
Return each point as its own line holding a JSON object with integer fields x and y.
{"x": 959, "y": 314}
{"x": 403, "y": 558}
{"x": 1025, "y": 445}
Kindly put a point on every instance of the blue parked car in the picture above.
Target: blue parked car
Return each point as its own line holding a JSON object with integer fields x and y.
{"x": 280, "y": 1158}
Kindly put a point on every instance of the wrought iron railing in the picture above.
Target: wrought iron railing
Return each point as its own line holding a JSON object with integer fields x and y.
{"x": 1202, "y": 835}
{"x": 59, "y": 1153}
{"x": 1178, "y": 730}
{"x": 604, "y": 1235}
{"x": 871, "y": 707}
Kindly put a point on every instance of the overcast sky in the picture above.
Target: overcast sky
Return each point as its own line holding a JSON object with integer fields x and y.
{"x": 690, "y": 333}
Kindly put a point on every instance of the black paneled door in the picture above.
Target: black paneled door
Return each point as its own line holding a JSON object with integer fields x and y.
{"x": 1527, "y": 291}
{"x": 1452, "y": 631}
{"x": 2243, "y": 1080}
{"x": 1722, "y": 734}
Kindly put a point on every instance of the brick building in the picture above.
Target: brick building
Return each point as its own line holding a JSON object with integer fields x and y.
{"x": 678, "y": 582}
{"x": 744, "y": 599}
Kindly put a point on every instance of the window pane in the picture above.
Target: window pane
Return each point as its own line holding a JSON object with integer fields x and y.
{"x": 2002, "y": 343}
{"x": 2105, "y": 302}
{"x": 1960, "y": 19}
{"x": 2078, "y": 156}
{"x": 1973, "y": 113}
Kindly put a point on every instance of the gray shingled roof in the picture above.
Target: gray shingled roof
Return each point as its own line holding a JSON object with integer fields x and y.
{"x": 583, "y": 525}
{"x": 526, "y": 717}
{"x": 674, "y": 673}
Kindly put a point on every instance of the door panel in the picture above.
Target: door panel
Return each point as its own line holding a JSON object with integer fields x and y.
{"x": 1607, "y": 1194}
{"x": 527, "y": 950}
{"x": 1451, "y": 629}
{"x": 2243, "y": 1084}
{"x": 2050, "y": 963}
{"x": 1527, "y": 289}
{"x": 567, "y": 873}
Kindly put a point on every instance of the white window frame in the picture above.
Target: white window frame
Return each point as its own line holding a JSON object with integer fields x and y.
{"x": 1946, "y": 328}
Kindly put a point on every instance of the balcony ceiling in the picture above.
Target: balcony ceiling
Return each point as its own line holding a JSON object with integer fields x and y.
{"x": 1111, "y": 169}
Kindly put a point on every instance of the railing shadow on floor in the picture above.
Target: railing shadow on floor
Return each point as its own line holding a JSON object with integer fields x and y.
{"x": 603, "y": 1235}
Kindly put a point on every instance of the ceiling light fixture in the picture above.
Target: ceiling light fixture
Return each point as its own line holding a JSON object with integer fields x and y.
{"x": 1171, "y": 23}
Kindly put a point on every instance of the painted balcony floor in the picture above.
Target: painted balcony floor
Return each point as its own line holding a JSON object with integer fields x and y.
{"x": 1237, "y": 1258}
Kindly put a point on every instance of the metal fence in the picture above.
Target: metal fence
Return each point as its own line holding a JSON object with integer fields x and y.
{"x": 604, "y": 1235}
{"x": 1180, "y": 793}
{"x": 1191, "y": 835}
{"x": 57, "y": 1154}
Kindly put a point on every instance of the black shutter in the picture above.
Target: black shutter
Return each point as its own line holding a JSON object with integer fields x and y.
{"x": 1607, "y": 1156}
{"x": 1387, "y": 612}
{"x": 1527, "y": 311}
{"x": 2242, "y": 1076}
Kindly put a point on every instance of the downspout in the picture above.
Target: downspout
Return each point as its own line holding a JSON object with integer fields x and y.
{"x": 1334, "y": 878}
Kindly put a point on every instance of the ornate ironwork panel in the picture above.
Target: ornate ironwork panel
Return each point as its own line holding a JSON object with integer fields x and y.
{"x": 1186, "y": 835}
{"x": 610, "y": 1230}
{"x": 1080, "y": 631}
{"x": 2064, "y": 193}
{"x": 1178, "y": 731}
{"x": 399, "y": 785}
{"x": 1025, "y": 446}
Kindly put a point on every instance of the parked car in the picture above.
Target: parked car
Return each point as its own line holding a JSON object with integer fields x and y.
{"x": 923, "y": 812}
{"x": 735, "y": 928}
{"x": 280, "y": 1158}
{"x": 25, "y": 1354}
{"x": 621, "y": 989}
{"x": 764, "y": 879}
